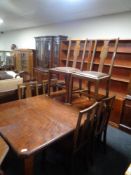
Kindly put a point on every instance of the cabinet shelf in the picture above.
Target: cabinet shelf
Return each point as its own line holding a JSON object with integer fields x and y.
{"x": 115, "y": 65}
{"x": 120, "y": 79}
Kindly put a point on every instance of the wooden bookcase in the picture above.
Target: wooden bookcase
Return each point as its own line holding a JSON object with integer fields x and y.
{"x": 120, "y": 74}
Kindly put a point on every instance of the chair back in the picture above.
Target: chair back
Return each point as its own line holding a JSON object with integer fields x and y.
{"x": 25, "y": 75}
{"x": 76, "y": 49}
{"x": 89, "y": 48}
{"x": 27, "y": 89}
{"x": 107, "y": 52}
{"x": 91, "y": 55}
{"x": 73, "y": 52}
{"x": 85, "y": 126}
{"x": 103, "y": 114}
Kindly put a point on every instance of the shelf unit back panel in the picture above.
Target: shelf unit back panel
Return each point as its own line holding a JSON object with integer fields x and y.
{"x": 122, "y": 64}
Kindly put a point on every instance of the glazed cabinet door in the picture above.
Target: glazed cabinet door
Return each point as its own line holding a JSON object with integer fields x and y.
{"x": 43, "y": 51}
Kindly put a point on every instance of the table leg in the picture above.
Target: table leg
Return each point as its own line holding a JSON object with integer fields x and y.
{"x": 68, "y": 77}
{"x": 49, "y": 82}
{"x": 28, "y": 165}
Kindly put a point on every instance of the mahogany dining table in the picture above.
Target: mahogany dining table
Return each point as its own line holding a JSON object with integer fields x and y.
{"x": 32, "y": 124}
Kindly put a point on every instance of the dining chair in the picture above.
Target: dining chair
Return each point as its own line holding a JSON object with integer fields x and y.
{"x": 53, "y": 85}
{"x": 79, "y": 143}
{"x": 26, "y": 76}
{"x": 27, "y": 89}
{"x": 68, "y": 69}
{"x": 99, "y": 68}
{"x": 102, "y": 119}
{"x": 3, "y": 152}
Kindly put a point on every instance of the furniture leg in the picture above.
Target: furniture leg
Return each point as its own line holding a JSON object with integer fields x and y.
{"x": 49, "y": 82}
{"x": 67, "y": 88}
{"x": 96, "y": 90}
{"x": 80, "y": 85}
{"x": 107, "y": 87}
{"x": 88, "y": 88}
{"x": 28, "y": 165}
{"x": 71, "y": 90}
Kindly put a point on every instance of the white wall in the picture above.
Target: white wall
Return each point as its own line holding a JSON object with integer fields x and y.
{"x": 111, "y": 26}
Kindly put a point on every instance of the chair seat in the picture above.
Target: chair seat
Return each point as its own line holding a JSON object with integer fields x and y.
{"x": 91, "y": 74}
{"x": 65, "y": 69}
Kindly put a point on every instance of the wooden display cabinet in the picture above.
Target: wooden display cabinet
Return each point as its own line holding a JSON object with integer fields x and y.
{"x": 6, "y": 60}
{"x": 24, "y": 60}
{"x": 47, "y": 55}
{"x": 120, "y": 74}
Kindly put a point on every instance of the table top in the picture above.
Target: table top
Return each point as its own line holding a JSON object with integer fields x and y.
{"x": 3, "y": 150}
{"x": 31, "y": 124}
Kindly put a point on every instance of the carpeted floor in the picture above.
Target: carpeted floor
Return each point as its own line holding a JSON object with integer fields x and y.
{"x": 114, "y": 162}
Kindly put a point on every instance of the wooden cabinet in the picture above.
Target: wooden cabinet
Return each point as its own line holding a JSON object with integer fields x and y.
{"x": 47, "y": 54}
{"x": 47, "y": 51}
{"x": 121, "y": 70}
{"x": 24, "y": 60}
{"x": 6, "y": 60}
{"x": 125, "y": 121}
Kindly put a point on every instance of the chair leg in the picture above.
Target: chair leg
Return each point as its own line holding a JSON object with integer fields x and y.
{"x": 96, "y": 90}
{"x": 69, "y": 165}
{"x": 88, "y": 89}
{"x": 72, "y": 165}
{"x": 107, "y": 87}
{"x": 80, "y": 85}
{"x": 68, "y": 84}
{"x": 19, "y": 94}
{"x": 71, "y": 90}
{"x": 36, "y": 89}
{"x": 44, "y": 88}
{"x": 49, "y": 82}
{"x": 104, "y": 139}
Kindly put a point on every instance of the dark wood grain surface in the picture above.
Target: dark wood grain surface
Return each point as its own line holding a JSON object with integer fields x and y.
{"x": 31, "y": 124}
